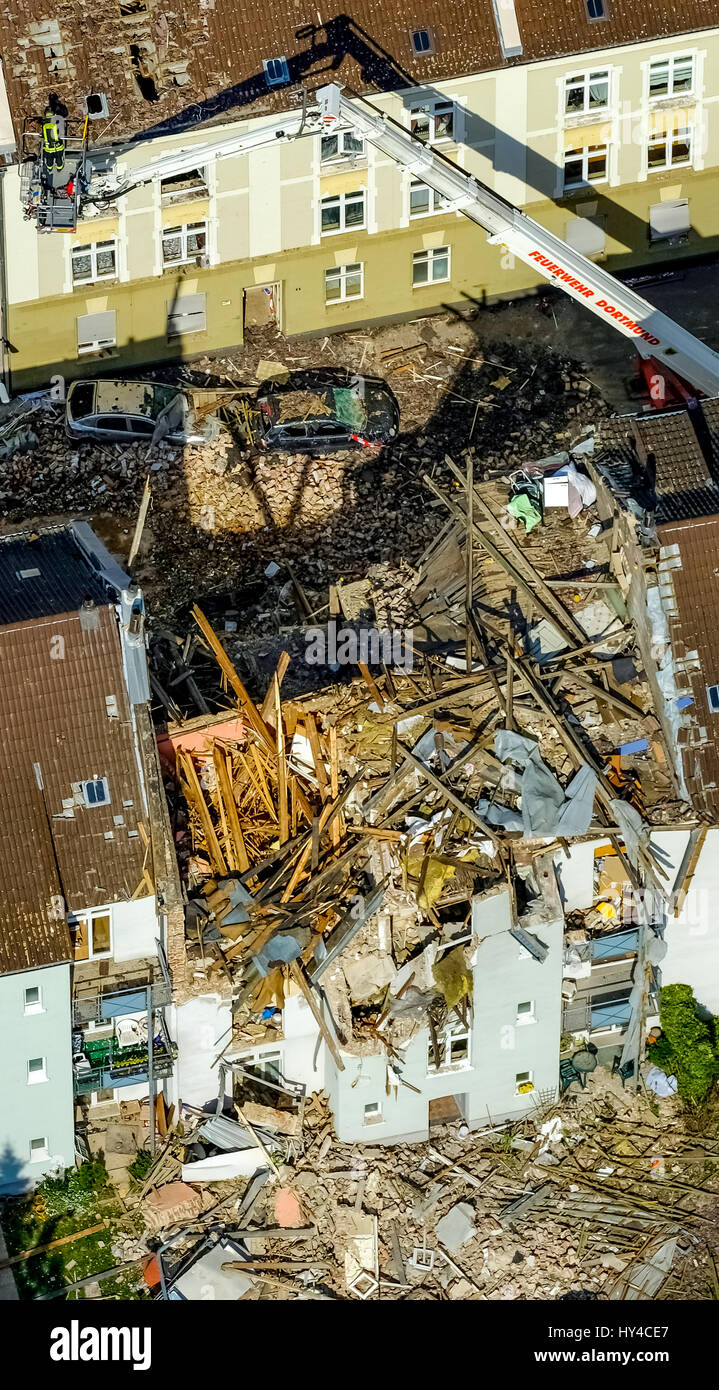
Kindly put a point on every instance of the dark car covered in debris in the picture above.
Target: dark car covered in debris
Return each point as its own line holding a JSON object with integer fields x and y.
{"x": 318, "y": 412}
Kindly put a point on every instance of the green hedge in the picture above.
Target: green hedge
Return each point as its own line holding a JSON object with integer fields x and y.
{"x": 688, "y": 1047}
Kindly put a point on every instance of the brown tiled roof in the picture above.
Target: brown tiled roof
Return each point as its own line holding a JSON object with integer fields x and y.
{"x": 694, "y": 631}
{"x": 684, "y": 485}
{"x": 206, "y": 58}
{"x": 57, "y": 673}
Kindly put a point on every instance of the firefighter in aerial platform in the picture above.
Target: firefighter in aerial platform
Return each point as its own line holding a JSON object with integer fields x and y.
{"x": 53, "y": 140}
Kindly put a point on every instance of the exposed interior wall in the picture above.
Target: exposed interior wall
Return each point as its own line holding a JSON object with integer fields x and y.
{"x": 200, "y": 1027}
{"x": 693, "y": 937}
{"x": 500, "y": 1049}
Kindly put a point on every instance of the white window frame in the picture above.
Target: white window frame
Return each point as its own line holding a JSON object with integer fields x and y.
{"x": 373, "y": 1113}
{"x": 343, "y": 272}
{"x": 168, "y": 196}
{"x": 713, "y": 709}
{"x": 452, "y": 1032}
{"x": 92, "y": 805}
{"x": 582, "y": 81}
{"x": 36, "y": 1155}
{"x": 585, "y": 181}
{"x": 527, "y": 1017}
{"x": 257, "y": 1060}
{"x": 598, "y": 18}
{"x": 342, "y": 153}
{"x": 92, "y": 248}
{"x": 431, "y": 254}
{"x": 37, "y": 1006}
{"x": 422, "y": 52}
{"x": 436, "y": 202}
{"x": 184, "y": 231}
{"x": 668, "y": 137}
{"x": 342, "y": 199}
{"x": 89, "y": 917}
{"x": 432, "y": 109}
{"x": 670, "y": 63}
{"x": 524, "y": 1078}
{"x": 36, "y": 1078}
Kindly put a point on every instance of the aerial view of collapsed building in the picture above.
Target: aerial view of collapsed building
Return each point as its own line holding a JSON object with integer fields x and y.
{"x": 359, "y": 768}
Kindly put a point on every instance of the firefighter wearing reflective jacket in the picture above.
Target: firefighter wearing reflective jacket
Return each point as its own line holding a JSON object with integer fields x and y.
{"x": 53, "y": 143}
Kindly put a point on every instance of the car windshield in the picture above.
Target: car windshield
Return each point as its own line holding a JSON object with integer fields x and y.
{"x": 338, "y": 404}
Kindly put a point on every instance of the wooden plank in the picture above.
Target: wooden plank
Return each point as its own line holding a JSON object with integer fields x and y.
{"x": 227, "y": 800}
{"x": 334, "y": 783}
{"x": 281, "y": 769}
{"x": 469, "y": 564}
{"x": 317, "y": 759}
{"x": 600, "y": 692}
{"x": 53, "y": 1245}
{"x": 372, "y": 686}
{"x": 451, "y": 796}
{"x": 570, "y": 630}
{"x": 233, "y": 680}
{"x": 262, "y": 781}
{"x": 305, "y": 989}
{"x": 268, "y": 704}
{"x": 687, "y": 868}
{"x": 197, "y": 796}
{"x": 140, "y": 523}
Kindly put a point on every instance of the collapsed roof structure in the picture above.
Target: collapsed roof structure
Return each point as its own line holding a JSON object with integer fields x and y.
{"x": 480, "y": 810}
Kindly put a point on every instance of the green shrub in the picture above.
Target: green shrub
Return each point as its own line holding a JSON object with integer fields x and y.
{"x": 140, "y": 1166}
{"x": 687, "y": 1049}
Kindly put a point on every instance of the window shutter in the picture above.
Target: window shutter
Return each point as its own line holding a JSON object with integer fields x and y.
{"x": 186, "y": 315}
{"x": 96, "y": 328}
{"x": 670, "y": 218}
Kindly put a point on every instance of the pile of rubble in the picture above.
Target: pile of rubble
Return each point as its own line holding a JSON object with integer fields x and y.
{"x": 219, "y": 517}
{"x": 596, "y": 1198}
{"x": 519, "y": 720}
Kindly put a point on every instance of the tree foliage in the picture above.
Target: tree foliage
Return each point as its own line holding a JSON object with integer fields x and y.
{"x": 687, "y": 1048}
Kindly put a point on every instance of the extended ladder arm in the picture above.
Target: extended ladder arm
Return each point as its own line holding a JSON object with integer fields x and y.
{"x": 654, "y": 333}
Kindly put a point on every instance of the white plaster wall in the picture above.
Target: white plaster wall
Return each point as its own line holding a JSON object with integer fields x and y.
{"x": 693, "y": 938}
{"x": 503, "y": 978}
{"x": 201, "y": 1030}
{"x": 575, "y": 874}
{"x": 135, "y": 929}
{"x": 44, "y": 1109}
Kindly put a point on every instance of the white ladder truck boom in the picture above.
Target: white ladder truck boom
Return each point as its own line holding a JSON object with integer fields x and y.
{"x": 658, "y": 338}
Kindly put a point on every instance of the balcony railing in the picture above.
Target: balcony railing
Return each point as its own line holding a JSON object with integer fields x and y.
{"x": 102, "y": 1065}
{"x": 103, "y": 1006}
{"x": 107, "y": 1078}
